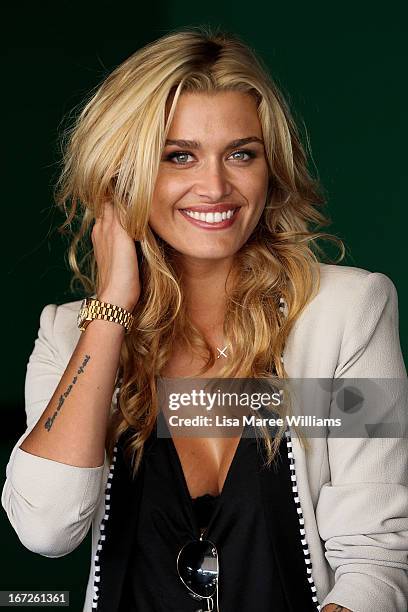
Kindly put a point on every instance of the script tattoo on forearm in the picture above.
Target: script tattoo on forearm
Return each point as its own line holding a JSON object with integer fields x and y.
{"x": 50, "y": 420}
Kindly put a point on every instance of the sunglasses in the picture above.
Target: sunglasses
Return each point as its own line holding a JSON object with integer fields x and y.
{"x": 197, "y": 567}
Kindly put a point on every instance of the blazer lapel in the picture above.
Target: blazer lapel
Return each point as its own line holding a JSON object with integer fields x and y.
{"x": 282, "y": 517}
{"x": 119, "y": 531}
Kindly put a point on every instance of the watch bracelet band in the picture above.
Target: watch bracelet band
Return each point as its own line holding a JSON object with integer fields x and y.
{"x": 110, "y": 312}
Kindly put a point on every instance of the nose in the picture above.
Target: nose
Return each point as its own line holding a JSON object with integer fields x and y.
{"x": 212, "y": 181}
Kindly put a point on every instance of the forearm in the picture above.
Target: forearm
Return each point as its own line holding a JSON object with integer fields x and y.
{"x": 72, "y": 428}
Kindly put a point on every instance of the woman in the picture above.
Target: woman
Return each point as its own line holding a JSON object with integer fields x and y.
{"x": 189, "y": 148}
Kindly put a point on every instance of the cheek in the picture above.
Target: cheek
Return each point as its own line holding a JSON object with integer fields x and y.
{"x": 256, "y": 187}
{"x": 166, "y": 193}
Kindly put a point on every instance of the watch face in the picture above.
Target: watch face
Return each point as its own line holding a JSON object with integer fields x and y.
{"x": 83, "y": 313}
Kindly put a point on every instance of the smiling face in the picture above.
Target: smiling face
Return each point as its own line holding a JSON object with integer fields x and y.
{"x": 224, "y": 181}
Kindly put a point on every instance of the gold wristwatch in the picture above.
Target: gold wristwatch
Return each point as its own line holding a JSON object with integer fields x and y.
{"x": 92, "y": 308}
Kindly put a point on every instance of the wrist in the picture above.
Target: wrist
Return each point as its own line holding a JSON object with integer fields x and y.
{"x": 111, "y": 299}
{"x": 93, "y": 308}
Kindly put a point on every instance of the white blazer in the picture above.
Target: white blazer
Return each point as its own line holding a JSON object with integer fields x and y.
{"x": 353, "y": 492}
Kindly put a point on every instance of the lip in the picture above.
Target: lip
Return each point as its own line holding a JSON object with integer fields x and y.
{"x": 205, "y": 208}
{"x": 211, "y": 226}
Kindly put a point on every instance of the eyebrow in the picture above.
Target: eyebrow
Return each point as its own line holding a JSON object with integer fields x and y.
{"x": 193, "y": 144}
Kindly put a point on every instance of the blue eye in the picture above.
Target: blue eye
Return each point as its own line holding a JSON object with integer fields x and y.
{"x": 176, "y": 154}
{"x": 179, "y": 154}
{"x": 250, "y": 154}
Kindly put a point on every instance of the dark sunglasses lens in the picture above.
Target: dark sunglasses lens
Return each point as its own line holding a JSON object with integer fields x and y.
{"x": 197, "y": 565}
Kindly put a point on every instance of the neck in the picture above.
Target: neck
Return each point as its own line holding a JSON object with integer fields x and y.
{"x": 204, "y": 286}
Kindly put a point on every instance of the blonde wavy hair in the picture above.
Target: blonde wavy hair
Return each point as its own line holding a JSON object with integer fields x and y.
{"x": 112, "y": 150}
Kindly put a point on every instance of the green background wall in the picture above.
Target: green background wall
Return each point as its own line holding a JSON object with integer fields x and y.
{"x": 342, "y": 75}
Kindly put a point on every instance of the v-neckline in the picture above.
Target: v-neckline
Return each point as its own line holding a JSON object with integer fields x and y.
{"x": 179, "y": 465}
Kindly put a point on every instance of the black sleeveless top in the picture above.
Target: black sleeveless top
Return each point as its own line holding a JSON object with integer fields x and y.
{"x": 254, "y": 524}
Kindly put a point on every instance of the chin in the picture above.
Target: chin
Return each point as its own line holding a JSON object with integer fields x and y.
{"x": 207, "y": 254}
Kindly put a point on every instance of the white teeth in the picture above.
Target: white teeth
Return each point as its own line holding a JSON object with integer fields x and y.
{"x": 211, "y": 217}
